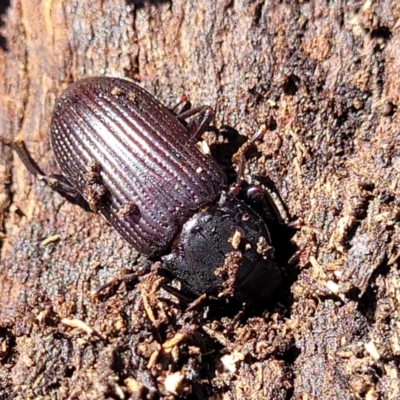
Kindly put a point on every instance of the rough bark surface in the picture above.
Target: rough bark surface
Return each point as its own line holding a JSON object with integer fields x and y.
{"x": 324, "y": 76}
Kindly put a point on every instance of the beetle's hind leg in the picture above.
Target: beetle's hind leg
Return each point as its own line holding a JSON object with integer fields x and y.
{"x": 57, "y": 182}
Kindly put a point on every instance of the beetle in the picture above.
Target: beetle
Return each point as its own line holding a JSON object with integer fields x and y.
{"x": 133, "y": 161}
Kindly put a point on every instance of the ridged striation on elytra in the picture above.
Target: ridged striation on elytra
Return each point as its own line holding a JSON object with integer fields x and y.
{"x": 153, "y": 172}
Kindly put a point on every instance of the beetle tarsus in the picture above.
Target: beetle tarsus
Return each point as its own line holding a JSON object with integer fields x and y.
{"x": 28, "y": 161}
{"x": 56, "y": 182}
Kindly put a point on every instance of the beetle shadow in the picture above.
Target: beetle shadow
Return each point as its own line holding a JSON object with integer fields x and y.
{"x": 223, "y": 153}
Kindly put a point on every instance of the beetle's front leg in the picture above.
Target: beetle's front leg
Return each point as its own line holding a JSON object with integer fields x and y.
{"x": 57, "y": 182}
{"x": 240, "y": 156}
{"x": 268, "y": 199}
{"x": 257, "y": 193}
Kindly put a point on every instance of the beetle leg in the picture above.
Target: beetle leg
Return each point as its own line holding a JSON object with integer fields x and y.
{"x": 197, "y": 119}
{"x": 182, "y": 105}
{"x": 257, "y": 194}
{"x": 57, "y": 182}
{"x": 240, "y": 159}
{"x": 25, "y": 157}
{"x": 240, "y": 156}
{"x": 177, "y": 293}
{"x": 262, "y": 194}
{"x": 114, "y": 283}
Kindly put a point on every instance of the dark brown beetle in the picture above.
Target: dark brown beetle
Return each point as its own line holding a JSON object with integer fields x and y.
{"x": 138, "y": 166}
